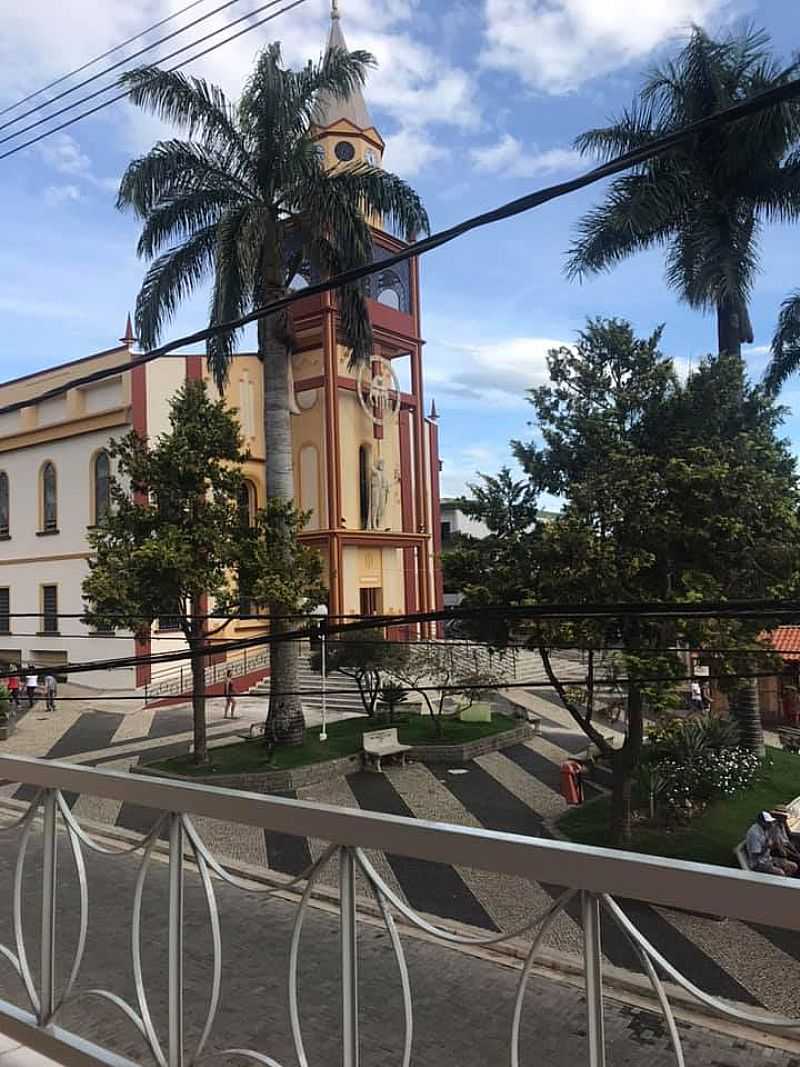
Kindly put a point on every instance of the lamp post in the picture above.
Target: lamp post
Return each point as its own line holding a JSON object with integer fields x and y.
{"x": 321, "y": 612}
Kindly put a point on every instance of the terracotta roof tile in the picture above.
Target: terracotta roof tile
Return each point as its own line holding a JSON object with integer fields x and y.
{"x": 786, "y": 641}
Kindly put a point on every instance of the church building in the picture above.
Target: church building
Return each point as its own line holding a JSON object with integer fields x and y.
{"x": 366, "y": 458}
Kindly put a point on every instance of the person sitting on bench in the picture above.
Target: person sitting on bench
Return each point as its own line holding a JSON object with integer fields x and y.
{"x": 784, "y": 844}
{"x": 759, "y": 844}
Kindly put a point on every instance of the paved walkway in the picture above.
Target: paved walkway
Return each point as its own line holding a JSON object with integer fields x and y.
{"x": 515, "y": 791}
{"x": 462, "y": 1004}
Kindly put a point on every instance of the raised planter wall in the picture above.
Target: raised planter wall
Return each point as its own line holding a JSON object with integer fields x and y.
{"x": 279, "y": 781}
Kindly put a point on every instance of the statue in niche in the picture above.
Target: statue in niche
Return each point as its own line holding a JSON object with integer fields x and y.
{"x": 378, "y": 496}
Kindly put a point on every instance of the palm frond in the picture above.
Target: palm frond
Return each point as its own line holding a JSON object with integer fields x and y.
{"x": 191, "y": 104}
{"x": 169, "y": 280}
{"x": 377, "y": 192}
{"x": 785, "y": 345}
{"x": 231, "y": 296}
{"x": 173, "y": 167}
{"x": 173, "y": 221}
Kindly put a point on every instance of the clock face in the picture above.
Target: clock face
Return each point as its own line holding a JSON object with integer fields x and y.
{"x": 344, "y": 151}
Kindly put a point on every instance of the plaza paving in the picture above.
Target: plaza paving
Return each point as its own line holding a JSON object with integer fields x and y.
{"x": 514, "y": 791}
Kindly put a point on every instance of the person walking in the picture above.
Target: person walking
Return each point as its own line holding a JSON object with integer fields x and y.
{"x": 12, "y": 684}
{"x": 230, "y": 696}
{"x": 50, "y": 691}
{"x": 31, "y": 685}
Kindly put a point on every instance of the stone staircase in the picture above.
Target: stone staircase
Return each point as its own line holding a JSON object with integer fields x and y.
{"x": 342, "y": 693}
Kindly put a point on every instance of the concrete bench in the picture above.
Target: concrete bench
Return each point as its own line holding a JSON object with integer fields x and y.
{"x": 380, "y": 743}
{"x": 789, "y": 737}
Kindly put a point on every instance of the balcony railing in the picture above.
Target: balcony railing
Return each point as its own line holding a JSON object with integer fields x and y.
{"x": 595, "y": 876}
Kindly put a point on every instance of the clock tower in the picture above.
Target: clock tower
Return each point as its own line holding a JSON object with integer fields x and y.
{"x": 366, "y": 456}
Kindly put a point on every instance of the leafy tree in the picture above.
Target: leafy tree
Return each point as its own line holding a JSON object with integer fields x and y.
{"x": 438, "y": 673}
{"x": 704, "y": 200}
{"x": 672, "y": 492}
{"x": 368, "y": 658}
{"x": 785, "y": 344}
{"x": 172, "y": 538}
{"x": 495, "y": 569}
{"x": 246, "y": 201}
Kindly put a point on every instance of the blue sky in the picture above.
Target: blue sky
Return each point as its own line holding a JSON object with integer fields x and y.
{"x": 479, "y": 102}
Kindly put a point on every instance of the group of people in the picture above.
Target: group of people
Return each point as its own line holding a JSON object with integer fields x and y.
{"x": 30, "y": 690}
{"x": 770, "y": 846}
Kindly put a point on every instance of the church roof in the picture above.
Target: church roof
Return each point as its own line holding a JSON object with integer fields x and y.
{"x": 331, "y": 109}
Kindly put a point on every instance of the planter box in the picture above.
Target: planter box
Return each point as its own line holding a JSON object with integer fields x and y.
{"x": 266, "y": 781}
{"x": 462, "y": 753}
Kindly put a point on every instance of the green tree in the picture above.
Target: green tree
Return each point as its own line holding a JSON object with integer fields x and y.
{"x": 439, "y": 673}
{"x": 494, "y": 569}
{"x": 365, "y": 656}
{"x": 703, "y": 201}
{"x": 173, "y": 537}
{"x": 672, "y": 492}
{"x": 245, "y": 200}
{"x": 785, "y": 344}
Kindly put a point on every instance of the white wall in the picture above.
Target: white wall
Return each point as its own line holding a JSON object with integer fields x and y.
{"x": 461, "y": 523}
{"x": 28, "y": 561}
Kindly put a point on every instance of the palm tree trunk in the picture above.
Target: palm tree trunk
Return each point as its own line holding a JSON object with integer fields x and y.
{"x": 729, "y": 329}
{"x": 745, "y": 704}
{"x": 285, "y": 717}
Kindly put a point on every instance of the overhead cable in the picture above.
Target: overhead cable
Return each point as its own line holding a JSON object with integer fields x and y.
{"x": 108, "y": 70}
{"x": 103, "y": 55}
{"x": 177, "y": 66}
{"x": 659, "y": 146}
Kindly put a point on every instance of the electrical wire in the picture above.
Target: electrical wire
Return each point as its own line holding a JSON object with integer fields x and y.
{"x": 108, "y": 70}
{"x": 103, "y": 55}
{"x": 748, "y": 609}
{"x": 115, "y": 83}
{"x": 735, "y": 113}
{"x": 177, "y": 66}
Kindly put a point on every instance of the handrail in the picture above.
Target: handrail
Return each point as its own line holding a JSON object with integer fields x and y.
{"x": 656, "y": 880}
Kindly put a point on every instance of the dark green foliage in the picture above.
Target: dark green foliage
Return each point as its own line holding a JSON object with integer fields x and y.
{"x": 785, "y": 344}
{"x": 705, "y": 200}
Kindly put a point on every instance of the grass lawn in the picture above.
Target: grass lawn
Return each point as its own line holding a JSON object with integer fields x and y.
{"x": 344, "y": 739}
{"x": 712, "y": 837}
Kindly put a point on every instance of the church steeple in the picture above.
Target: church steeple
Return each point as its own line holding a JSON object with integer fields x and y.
{"x": 344, "y": 126}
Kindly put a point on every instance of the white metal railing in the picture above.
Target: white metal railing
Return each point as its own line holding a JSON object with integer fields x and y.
{"x": 594, "y": 875}
{"x": 177, "y": 679}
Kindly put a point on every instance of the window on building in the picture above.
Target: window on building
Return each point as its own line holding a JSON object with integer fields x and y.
{"x": 49, "y": 609}
{"x": 371, "y": 601}
{"x": 445, "y": 532}
{"x": 247, "y": 517}
{"x": 5, "y": 506}
{"x": 49, "y": 499}
{"x": 5, "y": 611}
{"x": 364, "y": 460}
{"x": 170, "y": 622}
{"x": 102, "y": 485}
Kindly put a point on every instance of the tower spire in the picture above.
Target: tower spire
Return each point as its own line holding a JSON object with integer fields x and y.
{"x": 335, "y": 10}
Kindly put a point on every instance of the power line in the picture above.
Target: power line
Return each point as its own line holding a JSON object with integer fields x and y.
{"x": 183, "y": 63}
{"x": 115, "y": 84}
{"x": 735, "y": 113}
{"x": 103, "y": 55}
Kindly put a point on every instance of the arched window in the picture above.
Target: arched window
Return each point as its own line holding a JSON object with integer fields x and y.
{"x": 247, "y": 502}
{"x": 5, "y": 506}
{"x": 49, "y": 498}
{"x": 364, "y": 462}
{"x": 102, "y": 485}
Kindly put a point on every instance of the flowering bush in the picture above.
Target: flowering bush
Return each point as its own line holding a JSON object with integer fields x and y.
{"x": 690, "y": 762}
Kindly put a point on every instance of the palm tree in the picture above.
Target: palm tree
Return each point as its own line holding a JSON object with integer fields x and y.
{"x": 705, "y": 200}
{"x": 785, "y": 344}
{"x": 244, "y": 200}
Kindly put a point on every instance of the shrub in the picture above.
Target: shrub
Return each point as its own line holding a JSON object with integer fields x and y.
{"x": 690, "y": 762}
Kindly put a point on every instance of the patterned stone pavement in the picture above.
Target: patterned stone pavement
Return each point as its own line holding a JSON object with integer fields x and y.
{"x": 514, "y": 791}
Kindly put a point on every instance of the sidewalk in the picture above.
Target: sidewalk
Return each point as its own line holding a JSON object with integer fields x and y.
{"x": 463, "y": 1004}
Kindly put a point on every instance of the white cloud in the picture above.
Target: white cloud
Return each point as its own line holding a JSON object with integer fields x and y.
{"x": 63, "y": 153}
{"x": 55, "y": 195}
{"x": 461, "y": 466}
{"x": 493, "y": 374}
{"x": 557, "y": 45}
{"x": 410, "y": 150}
{"x": 508, "y": 157}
